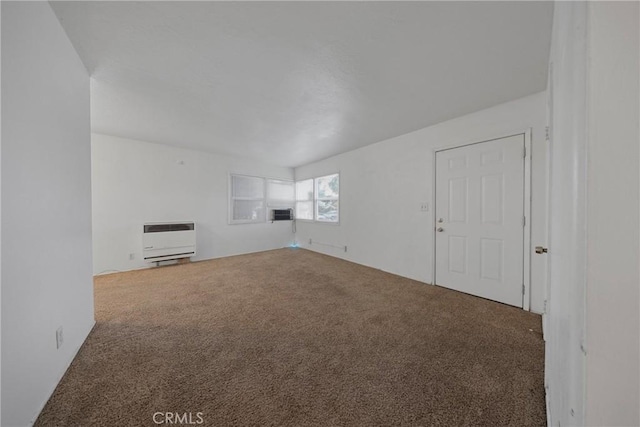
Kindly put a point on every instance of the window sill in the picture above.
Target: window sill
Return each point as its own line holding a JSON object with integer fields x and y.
{"x": 313, "y": 221}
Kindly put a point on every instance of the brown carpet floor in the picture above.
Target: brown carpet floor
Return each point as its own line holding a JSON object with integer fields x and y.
{"x": 291, "y": 337}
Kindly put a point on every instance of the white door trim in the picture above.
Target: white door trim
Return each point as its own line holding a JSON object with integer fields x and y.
{"x": 526, "y": 271}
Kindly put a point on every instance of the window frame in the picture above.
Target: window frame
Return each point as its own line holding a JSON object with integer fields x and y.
{"x": 273, "y": 204}
{"x": 312, "y": 200}
{"x": 315, "y": 199}
{"x": 231, "y": 199}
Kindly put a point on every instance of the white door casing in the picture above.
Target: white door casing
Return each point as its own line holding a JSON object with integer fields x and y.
{"x": 480, "y": 214}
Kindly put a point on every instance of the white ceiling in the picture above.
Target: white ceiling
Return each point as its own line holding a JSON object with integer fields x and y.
{"x": 295, "y": 82}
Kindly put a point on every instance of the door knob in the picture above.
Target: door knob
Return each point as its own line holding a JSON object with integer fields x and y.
{"x": 440, "y": 229}
{"x": 541, "y": 250}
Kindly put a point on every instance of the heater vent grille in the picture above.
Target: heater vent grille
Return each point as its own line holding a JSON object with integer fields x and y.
{"x": 168, "y": 241}
{"x": 160, "y": 228}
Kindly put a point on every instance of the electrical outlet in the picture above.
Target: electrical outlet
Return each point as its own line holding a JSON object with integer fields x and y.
{"x": 59, "y": 337}
{"x": 309, "y": 241}
{"x": 132, "y": 256}
{"x": 424, "y": 207}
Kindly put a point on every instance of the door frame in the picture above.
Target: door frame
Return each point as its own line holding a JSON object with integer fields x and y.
{"x": 526, "y": 265}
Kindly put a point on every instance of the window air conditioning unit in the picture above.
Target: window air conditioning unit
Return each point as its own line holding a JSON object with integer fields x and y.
{"x": 162, "y": 241}
{"x": 282, "y": 215}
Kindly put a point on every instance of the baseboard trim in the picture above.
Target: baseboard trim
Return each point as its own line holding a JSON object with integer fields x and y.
{"x": 310, "y": 249}
{"x": 64, "y": 371}
{"x": 151, "y": 266}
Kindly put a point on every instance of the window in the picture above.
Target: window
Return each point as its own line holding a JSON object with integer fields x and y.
{"x": 327, "y": 198}
{"x": 319, "y": 199}
{"x": 304, "y": 199}
{"x": 247, "y": 201}
{"x": 280, "y": 194}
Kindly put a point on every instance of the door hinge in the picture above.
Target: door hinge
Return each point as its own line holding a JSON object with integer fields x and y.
{"x": 547, "y": 136}
{"x": 523, "y": 289}
{"x": 524, "y": 221}
{"x": 524, "y": 152}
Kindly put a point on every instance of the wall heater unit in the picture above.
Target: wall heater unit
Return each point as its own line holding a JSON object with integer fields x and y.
{"x": 162, "y": 241}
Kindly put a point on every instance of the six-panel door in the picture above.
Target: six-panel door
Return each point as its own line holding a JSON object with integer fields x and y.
{"x": 479, "y": 219}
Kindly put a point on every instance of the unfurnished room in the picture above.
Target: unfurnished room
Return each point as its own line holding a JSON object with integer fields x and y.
{"x": 320, "y": 213}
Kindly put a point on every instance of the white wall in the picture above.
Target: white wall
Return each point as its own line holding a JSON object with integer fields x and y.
{"x": 613, "y": 278}
{"x": 564, "y": 365}
{"x": 593, "y": 335}
{"x": 46, "y": 207}
{"x": 383, "y": 185}
{"x": 136, "y": 182}
{"x": 0, "y": 221}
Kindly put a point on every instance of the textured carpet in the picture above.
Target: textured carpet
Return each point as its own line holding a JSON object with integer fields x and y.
{"x": 292, "y": 337}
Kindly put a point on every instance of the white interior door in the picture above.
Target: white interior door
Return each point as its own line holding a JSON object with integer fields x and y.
{"x": 480, "y": 219}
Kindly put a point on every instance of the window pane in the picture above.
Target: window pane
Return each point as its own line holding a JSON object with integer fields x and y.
{"x": 280, "y": 193}
{"x": 327, "y": 210}
{"x": 328, "y": 187}
{"x": 248, "y": 210}
{"x": 249, "y": 187}
{"x": 304, "y": 190}
{"x": 304, "y": 210}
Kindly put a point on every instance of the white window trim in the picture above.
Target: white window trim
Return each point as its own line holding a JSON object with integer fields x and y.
{"x": 231, "y": 199}
{"x": 268, "y": 199}
{"x": 315, "y": 200}
{"x": 267, "y": 208}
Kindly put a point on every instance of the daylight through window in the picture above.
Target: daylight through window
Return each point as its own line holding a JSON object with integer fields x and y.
{"x": 327, "y": 198}
{"x": 247, "y": 201}
{"x": 319, "y": 199}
